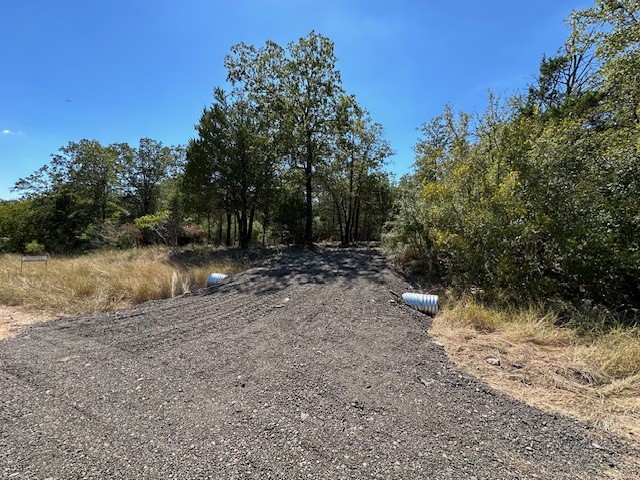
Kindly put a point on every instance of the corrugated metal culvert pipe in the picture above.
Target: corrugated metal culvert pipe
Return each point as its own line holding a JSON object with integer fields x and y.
{"x": 420, "y": 301}
{"x": 215, "y": 278}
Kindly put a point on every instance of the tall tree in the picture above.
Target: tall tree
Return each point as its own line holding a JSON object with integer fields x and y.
{"x": 234, "y": 155}
{"x": 141, "y": 172}
{"x": 299, "y": 89}
{"x": 360, "y": 152}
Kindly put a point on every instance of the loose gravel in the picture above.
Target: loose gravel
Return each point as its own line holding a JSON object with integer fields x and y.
{"x": 308, "y": 367}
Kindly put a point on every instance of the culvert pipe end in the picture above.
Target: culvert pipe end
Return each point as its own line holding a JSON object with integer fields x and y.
{"x": 215, "y": 278}
{"x": 422, "y": 302}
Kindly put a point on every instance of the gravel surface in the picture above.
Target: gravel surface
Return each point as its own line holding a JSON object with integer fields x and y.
{"x": 307, "y": 368}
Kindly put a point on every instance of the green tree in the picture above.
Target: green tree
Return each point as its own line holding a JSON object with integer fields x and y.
{"x": 75, "y": 194}
{"x": 15, "y": 225}
{"x": 616, "y": 36}
{"x": 233, "y": 153}
{"x": 141, "y": 172}
{"x": 359, "y": 154}
{"x": 198, "y": 186}
{"x": 299, "y": 88}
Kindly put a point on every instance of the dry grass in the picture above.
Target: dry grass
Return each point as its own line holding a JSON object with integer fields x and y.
{"x": 593, "y": 377}
{"x": 107, "y": 280}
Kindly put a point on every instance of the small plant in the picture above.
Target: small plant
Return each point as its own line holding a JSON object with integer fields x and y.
{"x": 192, "y": 233}
{"x": 128, "y": 236}
{"x": 33, "y": 248}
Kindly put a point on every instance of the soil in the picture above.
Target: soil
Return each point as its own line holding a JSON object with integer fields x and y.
{"x": 13, "y": 318}
{"x": 308, "y": 367}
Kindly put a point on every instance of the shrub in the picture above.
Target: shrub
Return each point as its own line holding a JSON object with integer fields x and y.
{"x": 128, "y": 236}
{"x": 192, "y": 233}
{"x": 33, "y": 248}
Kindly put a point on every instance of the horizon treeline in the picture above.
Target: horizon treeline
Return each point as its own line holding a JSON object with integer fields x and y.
{"x": 282, "y": 155}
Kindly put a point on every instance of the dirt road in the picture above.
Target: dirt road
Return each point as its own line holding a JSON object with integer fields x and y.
{"x": 305, "y": 368}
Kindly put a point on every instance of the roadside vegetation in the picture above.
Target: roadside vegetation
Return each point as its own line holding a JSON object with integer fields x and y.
{"x": 535, "y": 202}
{"x": 112, "y": 279}
{"x": 591, "y": 373}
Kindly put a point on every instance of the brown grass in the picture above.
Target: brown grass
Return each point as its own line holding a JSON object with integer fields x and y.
{"x": 107, "y": 280}
{"x": 593, "y": 377}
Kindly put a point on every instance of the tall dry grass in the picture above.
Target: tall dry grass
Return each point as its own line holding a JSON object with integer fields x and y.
{"x": 592, "y": 374}
{"x": 106, "y": 280}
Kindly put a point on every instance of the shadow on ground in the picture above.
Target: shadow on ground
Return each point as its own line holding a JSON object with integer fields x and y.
{"x": 302, "y": 267}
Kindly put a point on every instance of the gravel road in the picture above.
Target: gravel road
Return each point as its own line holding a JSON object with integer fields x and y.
{"x": 307, "y": 368}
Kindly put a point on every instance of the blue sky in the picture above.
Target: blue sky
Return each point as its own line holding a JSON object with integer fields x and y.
{"x": 120, "y": 70}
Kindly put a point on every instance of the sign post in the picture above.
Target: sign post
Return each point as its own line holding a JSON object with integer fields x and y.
{"x": 34, "y": 258}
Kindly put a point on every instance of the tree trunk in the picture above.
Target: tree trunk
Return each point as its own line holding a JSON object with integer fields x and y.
{"x": 235, "y": 231}
{"x": 241, "y": 220}
{"x": 228, "y": 240}
{"x": 250, "y": 229}
{"x": 308, "y": 231}
{"x": 339, "y": 222}
{"x": 356, "y": 221}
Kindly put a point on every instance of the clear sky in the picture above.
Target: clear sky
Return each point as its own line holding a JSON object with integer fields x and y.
{"x": 119, "y": 70}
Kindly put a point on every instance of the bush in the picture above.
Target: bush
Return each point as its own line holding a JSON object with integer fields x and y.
{"x": 128, "y": 236}
{"x": 191, "y": 233}
{"x": 33, "y": 248}
{"x": 154, "y": 227}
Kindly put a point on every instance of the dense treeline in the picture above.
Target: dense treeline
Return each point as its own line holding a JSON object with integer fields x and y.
{"x": 88, "y": 194}
{"x": 540, "y": 195}
{"x": 282, "y": 155}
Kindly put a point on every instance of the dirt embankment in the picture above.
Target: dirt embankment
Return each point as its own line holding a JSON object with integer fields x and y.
{"x": 307, "y": 367}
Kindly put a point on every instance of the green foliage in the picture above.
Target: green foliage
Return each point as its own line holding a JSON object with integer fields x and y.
{"x": 153, "y": 227}
{"x": 284, "y": 148}
{"x": 539, "y": 196}
{"x": 141, "y": 172}
{"x": 128, "y": 236}
{"x": 353, "y": 176}
{"x": 289, "y": 216}
{"x": 15, "y": 225}
{"x": 299, "y": 88}
{"x": 407, "y": 232}
{"x": 232, "y": 161}
{"x": 33, "y": 248}
{"x": 78, "y": 200}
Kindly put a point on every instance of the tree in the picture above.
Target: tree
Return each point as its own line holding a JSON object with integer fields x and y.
{"x": 141, "y": 172}
{"x": 567, "y": 81}
{"x": 298, "y": 88}
{"x": 233, "y": 153}
{"x": 198, "y": 187}
{"x": 359, "y": 155}
{"x": 538, "y": 197}
{"x": 15, "y": 226}
{"x": 74, "y": 195}
{"x": 616, "y": 26}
